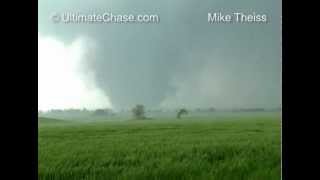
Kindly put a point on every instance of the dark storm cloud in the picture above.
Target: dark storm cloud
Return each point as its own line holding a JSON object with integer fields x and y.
{"x": 183, "y": 60}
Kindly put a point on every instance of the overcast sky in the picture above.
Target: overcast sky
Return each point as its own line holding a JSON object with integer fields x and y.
{"x": 180, "y": 61}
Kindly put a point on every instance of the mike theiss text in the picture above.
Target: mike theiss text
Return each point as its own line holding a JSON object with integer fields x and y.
{"x": 237, "y": 17}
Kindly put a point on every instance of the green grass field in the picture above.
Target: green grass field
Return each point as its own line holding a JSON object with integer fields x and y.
{"x": 247, "y": 148}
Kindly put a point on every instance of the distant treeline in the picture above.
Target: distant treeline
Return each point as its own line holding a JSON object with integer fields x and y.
{"x": 255, "y": 110}
{"x": 110, "y": 112}
{"x": 76, "y": 113}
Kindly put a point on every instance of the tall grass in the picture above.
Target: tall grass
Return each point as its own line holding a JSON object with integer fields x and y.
{"x": 243, "y": 148}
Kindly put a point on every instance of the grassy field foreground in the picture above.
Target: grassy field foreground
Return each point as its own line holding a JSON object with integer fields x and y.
{"x": 193, "y": 148}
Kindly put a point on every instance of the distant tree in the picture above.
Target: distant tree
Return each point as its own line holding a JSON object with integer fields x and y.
{"x": 138, "y": 112}
{"x": 212, "y": 109}
{"x": 181, "y": 112}
{"x": 102, "y": 112}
